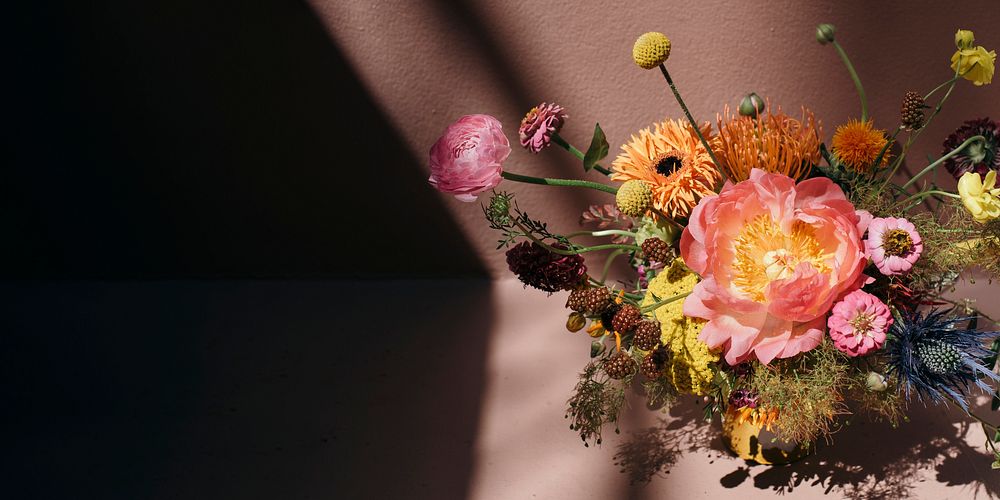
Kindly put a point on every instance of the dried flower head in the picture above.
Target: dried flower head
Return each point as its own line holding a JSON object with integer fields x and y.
{"x": 536, "y": 266}
{"x": 978, "y": 157}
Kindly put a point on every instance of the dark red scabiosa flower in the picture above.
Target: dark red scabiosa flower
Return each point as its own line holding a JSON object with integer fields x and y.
{"x": 547, "y": 271}
{"x": 743, "y": 398}
{"x": 978, "y": 157}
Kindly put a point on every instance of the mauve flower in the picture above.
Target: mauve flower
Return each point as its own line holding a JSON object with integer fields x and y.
{"x": 858, "y": 323}
{"x": 539, "y": 124}
{"x": 978, "y": 157}
{"x": 774, "y": 256}
{"x": 468, "y": 157}
{"x": 893, "y": 245}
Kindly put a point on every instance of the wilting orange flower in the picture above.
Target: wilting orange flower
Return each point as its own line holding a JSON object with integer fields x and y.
{"x": 774, "y": 142}
{"x": 671, "y": 159}
{"x": 758, "y": 417}
{"x": 857, "y": 144}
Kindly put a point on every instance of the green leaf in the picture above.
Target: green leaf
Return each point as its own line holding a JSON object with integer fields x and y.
{"x": 598, "y": 149}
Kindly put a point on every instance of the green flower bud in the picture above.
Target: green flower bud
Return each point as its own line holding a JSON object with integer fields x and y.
{"x": 596, "y": 348}
{"x": 964, "y": 39}
{"x": 575, "y": 322}
{"x": 824, "y": 33}
{"x": 752, "y": 105}
{"x": 876, "y": 382}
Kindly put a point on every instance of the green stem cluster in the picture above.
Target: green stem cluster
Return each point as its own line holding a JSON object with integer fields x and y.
{"x": 939, "y": 161}
{"x": 558, "y": 182}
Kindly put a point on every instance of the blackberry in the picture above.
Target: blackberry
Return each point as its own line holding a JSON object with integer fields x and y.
{"x": 626, "y": 318}
{"x": 912, "y": 112}
{"x": 619, "y": 365}
{"x": 647, "y": 335}
{"x": 589, "y": 300}
{"x": 652, "y": 365}
{"x": 656, "y": 250}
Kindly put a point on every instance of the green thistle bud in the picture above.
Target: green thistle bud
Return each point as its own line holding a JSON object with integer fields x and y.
{"x": 752, "y": 105}
{"x": 825, "y": 33}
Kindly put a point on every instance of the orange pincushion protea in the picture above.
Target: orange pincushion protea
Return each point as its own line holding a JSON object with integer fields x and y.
{"x": 774, "y": 142}
{"x": 671, "y": 159}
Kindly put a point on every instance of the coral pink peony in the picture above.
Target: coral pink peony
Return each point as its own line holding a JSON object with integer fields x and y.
{"x": 773, "y": 257}
{"x": 538, "y": 126}
{"x": 858, "y": 323}
{"x": 468, "y": 157}
{"x": 894, "y": 245}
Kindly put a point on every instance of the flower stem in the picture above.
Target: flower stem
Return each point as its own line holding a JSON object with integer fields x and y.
{"x": 558, "y": 182}
{"x": 920, "y": 196}
{"x": 694, "y": 124}
{"x": 941, "y": 160}
{"x": 854, "y": 76}
{"x": 572, "y": 251}
{"x": 607, "y": 263}
{"x": 656, "y": 305}
{"x": 604, "y": 232}
{"x": 913, "y": 137}
{"x": 576, "y": 152}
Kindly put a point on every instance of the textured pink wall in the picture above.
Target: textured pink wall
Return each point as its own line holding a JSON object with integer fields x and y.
{"x": 429, "y": 62}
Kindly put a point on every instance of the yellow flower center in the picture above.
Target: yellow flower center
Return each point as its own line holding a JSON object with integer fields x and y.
{"x": 764, "y": 253}
{"x": 897, "y": 242}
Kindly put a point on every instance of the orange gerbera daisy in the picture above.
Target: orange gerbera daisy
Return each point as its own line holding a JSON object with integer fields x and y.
{"x": 857, "y": 144}
{"x": 671, "y": 159}
{"x": 774, "y": 142}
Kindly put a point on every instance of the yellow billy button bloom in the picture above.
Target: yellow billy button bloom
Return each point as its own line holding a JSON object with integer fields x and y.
{"x": 975, "y": 64}
{"x": 980, "y": 197}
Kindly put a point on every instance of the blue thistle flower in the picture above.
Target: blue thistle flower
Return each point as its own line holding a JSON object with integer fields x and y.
{"x": 933, "y": 357}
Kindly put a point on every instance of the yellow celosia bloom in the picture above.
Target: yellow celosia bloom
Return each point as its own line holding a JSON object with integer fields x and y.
{"x": 974, "y": 64}
{"x": 980, "y": 197}
{"x": 690, "y": 366}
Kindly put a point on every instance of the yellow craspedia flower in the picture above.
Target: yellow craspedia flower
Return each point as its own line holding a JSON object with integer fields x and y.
{"x": 857, "y": 144}
{"x": 980, "y": 197}
{"x": 651, "y": 50}
{"x": 975, "y": 64}
{"x": 634, "y": 198}
{"x": 691, "y": 365}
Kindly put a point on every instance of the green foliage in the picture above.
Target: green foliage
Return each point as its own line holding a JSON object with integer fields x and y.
{"x": 505, "y": 216}
{"x": 596, "y": 400}
{"x": 807, "y": 390}
{"x": 598, "y": 149}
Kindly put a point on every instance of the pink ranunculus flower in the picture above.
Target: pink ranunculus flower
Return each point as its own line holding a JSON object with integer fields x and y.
{"x": 894, "y": 245}
{"x": 773, "y": 257}
{"x": 468, "y": 157}
{"x": 538, "y": 126}
{"x": 858, "y": 323}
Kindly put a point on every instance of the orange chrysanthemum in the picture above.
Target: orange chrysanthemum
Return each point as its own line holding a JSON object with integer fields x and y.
{"x": 857, "y": 144}
{"x": 671, "y": 159}
{"x": 774, "y": 142}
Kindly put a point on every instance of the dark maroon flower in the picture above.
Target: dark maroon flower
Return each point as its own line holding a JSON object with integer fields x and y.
{"x": 743, "y": 398}
{"x": 977, "y": 157}
{"x": 547, "y": 271}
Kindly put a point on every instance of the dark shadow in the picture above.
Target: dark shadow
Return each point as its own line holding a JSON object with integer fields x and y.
{"x": 864, "y": 461}
{"x": 207, "y": 139}
{"x": 242, "y": 389}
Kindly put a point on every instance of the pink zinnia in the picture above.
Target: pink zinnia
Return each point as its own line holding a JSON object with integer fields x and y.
{"x": 893, "y": 245}
{"x": 774, "y": 256}
{"x": 539, "y": 125}
{"x": 858, "y": 323}
{"x": 468, "y": 158}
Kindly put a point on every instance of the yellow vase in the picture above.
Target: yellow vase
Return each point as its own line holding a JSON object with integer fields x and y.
{"x": 752, "y": 441}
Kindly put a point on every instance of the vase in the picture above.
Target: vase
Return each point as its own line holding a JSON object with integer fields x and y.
{"x": 751, "y": 440}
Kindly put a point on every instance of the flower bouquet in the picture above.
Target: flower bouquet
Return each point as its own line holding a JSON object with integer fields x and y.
{"x": 786, "y": 281}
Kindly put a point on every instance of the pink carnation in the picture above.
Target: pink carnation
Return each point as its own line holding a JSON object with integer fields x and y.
{"x": 468, "y": 157}
{"x": 773, "y": 257}
{"x": 894, "y": 245}
{"x": 539, "y": 125}
{"x": 858, "y": 323}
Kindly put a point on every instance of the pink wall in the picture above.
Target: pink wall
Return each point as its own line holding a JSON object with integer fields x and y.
{"x": 429, "y": 62}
